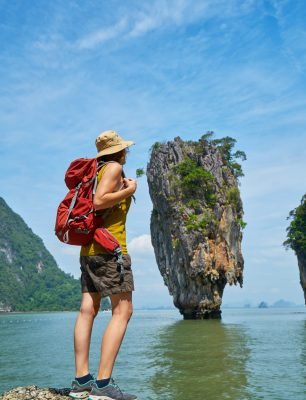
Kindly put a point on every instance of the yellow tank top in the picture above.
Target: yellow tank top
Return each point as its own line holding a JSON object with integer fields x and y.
{"x": 114, "y": 222}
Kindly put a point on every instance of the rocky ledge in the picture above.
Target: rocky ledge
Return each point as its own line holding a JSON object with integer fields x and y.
{"x": 34, "y": 392}
{"x": 197, "y": 221}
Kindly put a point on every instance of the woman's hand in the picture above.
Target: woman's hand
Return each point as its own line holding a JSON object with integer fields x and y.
{"x": 130, "y": 184}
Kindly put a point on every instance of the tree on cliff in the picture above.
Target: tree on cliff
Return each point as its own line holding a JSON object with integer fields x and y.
{"x": 226, "y": 145}
{"x": 296, "y": 231}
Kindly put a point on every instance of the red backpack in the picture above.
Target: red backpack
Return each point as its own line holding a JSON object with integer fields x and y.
{"x": 76, "y": 221}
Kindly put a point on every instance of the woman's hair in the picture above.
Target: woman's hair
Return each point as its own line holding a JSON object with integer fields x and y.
{"x": 113, "y": 157}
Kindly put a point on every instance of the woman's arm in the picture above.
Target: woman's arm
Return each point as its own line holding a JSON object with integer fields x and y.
{"x": 106, "y": 194}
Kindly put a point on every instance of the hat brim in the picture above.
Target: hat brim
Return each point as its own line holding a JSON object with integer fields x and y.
{"x": 114, "y": 149}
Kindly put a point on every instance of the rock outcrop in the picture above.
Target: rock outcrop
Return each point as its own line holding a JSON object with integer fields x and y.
{"x": 34, "y": 392}
{"x": 296, "y": 238}
{"x": 196, "y": 222}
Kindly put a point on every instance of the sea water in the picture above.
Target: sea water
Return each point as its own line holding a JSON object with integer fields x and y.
{"x": 248, "y": 354}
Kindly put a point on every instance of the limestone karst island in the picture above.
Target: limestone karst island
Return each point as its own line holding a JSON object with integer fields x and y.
{"x": 197, "y": 220}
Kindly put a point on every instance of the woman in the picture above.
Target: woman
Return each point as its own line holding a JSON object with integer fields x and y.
{"x": 100, "y": 276}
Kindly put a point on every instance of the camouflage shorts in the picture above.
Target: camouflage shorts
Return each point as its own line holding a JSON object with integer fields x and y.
{"x": 100, "y": 274}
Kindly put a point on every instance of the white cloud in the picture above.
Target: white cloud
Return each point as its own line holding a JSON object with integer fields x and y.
{"x": 70, "y": 250}
{"x": 102, "y": 35}
{"x": 141, "y": 245}
{"x": 292, "y": 31}
{"x": 145, "y": 24}
{"x": 159, "y": 14}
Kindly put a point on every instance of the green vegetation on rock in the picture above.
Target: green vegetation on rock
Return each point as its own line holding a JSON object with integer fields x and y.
{"x": 155, "y": 146}
{"x": 194, "y": 180}
{"x": 202, "y": 221}
{"x": 233, "y": 196}
{"x": 296, "y": 231}
{"x": 241, "y": 223}
{"x": 226, "y": 145}
{"x": 193, "y": 203}
{"x": 196, "y": 188}
{"x": 139, "y": 172}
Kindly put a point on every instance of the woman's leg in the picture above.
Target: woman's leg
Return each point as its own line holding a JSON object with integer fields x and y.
{"x": 90, "y": 306}
{"x": 122, "y": 309}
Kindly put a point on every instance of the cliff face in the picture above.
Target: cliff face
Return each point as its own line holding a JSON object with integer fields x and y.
{"x": 195, "y": 224}
{"x": 301, "y": 256}
{"x": 296, "y": 238}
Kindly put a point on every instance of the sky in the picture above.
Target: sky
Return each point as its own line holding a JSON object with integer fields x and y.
{"x": 154, "y": 70}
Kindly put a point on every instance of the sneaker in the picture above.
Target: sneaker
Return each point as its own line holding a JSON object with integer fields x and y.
{"x": 79, "y": 391}
{"x": 109, "y": 392}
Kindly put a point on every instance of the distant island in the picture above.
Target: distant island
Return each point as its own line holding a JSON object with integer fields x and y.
{"x": 281, "y": 303}
{"x": 30, "y": 277}
{"x": 277, "y": 304}
{"x": 262, "y": 304}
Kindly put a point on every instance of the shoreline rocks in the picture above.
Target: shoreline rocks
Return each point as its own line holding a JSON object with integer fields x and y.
{"x": 34, "y": 392}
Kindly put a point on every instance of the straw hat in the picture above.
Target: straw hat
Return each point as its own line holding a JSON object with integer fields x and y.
{"x": 109, "y": 142}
